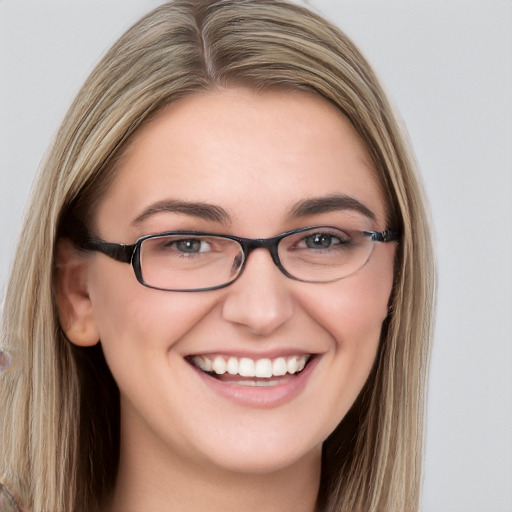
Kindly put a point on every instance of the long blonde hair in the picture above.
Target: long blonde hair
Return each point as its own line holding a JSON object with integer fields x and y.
{"x": 59, "y": 448}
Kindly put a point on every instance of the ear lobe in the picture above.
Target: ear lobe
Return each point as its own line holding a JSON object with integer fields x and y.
{"x": 72, "y": 295}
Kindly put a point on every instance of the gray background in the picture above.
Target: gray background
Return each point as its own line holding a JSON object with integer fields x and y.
{"x": 447, "y": 66}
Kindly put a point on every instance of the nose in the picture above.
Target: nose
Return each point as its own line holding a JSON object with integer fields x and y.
{"x": 259, "y": 299}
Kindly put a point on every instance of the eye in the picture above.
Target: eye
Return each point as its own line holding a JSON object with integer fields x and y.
{"x": 321, "y": 241}
{"x": 190, "y": 245}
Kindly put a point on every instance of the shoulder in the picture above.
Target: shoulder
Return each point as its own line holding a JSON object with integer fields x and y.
{"x": 7, "y": 503}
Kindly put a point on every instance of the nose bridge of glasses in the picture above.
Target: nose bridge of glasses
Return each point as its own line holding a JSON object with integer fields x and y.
{"x": 270, "y": 244}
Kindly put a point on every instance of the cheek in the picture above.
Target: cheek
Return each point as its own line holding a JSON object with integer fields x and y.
{"x": 354, "y": 308}
{"x": 352, "y": 312}
{"x": 131, "y": 317}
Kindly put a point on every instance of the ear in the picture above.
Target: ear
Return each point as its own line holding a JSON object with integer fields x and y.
{"x": 72, "y": 295}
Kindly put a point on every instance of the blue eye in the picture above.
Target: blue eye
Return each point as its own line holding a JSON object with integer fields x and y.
{"x": 177, "y": 246}
{"x": 190, "y": 245}
{"x": 321, "y": 241}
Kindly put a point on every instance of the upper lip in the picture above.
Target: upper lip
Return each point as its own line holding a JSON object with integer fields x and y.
{"x": 271, "y": 354}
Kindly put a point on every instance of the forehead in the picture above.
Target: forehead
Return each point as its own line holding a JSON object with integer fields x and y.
{"x": 254, "y": 154}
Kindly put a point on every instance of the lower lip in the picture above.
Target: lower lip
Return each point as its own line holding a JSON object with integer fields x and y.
{"x": 263, "y": 397}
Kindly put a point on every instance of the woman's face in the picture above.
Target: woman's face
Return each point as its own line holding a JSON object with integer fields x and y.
{"x": 253, "y": 162}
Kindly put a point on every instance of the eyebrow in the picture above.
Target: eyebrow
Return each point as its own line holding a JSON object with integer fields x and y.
{"x": 329, "y": 203}
{"x": 200, "y": 210}
{"x": 210, "y": 212}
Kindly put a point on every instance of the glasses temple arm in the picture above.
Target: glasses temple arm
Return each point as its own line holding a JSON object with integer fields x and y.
{"x": 119, "y": 252}
{"x": 388, "y": 235}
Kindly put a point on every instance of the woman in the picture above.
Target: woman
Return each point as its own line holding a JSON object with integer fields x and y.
{"x": 240, "y": 292}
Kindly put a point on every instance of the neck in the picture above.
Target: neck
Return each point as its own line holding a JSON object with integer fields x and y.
{"x": 294, "y": 489}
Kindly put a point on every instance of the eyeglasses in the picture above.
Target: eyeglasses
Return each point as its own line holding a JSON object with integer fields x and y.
{"x": 191, "y": 261}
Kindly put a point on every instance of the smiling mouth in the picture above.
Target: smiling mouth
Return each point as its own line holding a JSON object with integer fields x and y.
{"x": 245, "y": 371}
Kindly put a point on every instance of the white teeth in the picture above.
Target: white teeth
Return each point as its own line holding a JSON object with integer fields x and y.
{"x": 279, "y": 366}
{"x": 292, "y": 365}
{"x": 263, "y": 368}
{"x": 258, "y": 383}
{"x": 232, "y": 366}
{"x": 247, "y": 367}
{"x": 204, "y": 363}
{"x": 267, "y": 383}
{"x": 208, "y": 364}
{"x": 219, "y": 365}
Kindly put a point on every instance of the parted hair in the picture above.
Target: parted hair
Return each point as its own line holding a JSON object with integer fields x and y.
{"x": 59, "y": 419}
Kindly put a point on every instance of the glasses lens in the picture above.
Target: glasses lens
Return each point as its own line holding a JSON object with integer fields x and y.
{"x": 189, "y": 262}
{"x": 324, "y": 254}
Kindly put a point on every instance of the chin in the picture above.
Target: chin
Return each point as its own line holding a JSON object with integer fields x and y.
{"x": 262, "y": 462}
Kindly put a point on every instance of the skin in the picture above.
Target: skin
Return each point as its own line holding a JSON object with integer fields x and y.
{"x": 255, "y": 155}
